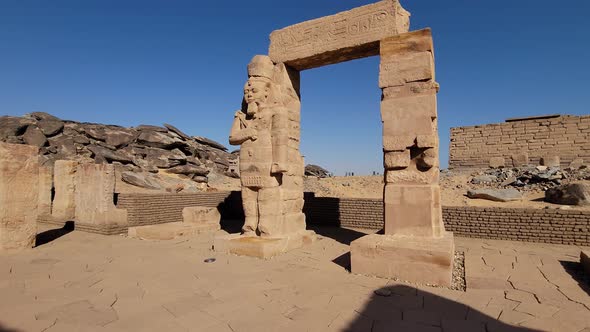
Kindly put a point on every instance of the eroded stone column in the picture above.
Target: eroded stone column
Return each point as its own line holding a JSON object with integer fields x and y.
{"x": 415, "y": 246}
{"x": 94, "y": 199}
{"x": 64, "y": 174}
{"x": 19, "y": 195}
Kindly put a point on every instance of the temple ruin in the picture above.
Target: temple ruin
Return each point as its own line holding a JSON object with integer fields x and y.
{"x": 415, "y": 246}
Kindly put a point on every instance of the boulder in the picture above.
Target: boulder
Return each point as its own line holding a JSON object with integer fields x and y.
{"x": 105, "y": 145}
{"x": 177, "y": 131}
{"x": 315, "y": 170}
{"x": 193, "y": 160}
{"x": 13, "y": 126}
{"x": 569, "y": 194}
{"x": 189, "y": 169}
{"x": 43, "y": 116}
{"x": 200, "y": 179}
{"x": 109, "y": 155}
{"x": 209, "y": 142}
{"x": 157, "y": 139}
{"x": 80, "y": 139}
{"x": 510, "y": 180}
{"x": 163, "y": 158}
{"x": 119, "y": 137}
{"x": 34, "y": 136}
{"x": 136, "y": 150}
{"x": 145, "y": 165}
{"x": 64, "y": 145}
{"x": 498, "y": 195}
{"x": 96, "y": 132}
{"x": 176, "y": 154}
{"x": 143, "y": 180}
{"x": 151, "y": 128}
{"x": 50, "y": 127}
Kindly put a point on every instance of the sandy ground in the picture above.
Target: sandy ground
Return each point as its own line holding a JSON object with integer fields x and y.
{"x": 88, "y": 282}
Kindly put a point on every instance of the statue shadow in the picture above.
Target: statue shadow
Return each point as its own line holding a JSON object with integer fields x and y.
{"x": 54, "y": 234}
{"x": 577, "y": 272}
{"x": 405, "y": 308}
{"x": 5, "y": 329}
{"x": 232, "y": 214}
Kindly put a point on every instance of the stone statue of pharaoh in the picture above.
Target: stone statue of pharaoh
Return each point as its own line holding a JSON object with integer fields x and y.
{"x": 262, "y": 161}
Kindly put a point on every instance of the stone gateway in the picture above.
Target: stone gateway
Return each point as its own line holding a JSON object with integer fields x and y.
{"x": 415, "y": 246}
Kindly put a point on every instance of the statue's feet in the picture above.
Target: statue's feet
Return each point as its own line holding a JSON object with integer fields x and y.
{"x": 248, "y": 233}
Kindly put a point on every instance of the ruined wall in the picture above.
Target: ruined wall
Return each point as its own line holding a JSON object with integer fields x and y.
{"x": 530, "y": 225}
{"x": 150, "y": 209}
{"x": 565, "y": 136}
{"x": 345, "y": 212}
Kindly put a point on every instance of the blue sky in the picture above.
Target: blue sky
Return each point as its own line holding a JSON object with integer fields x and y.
{"x": 131, "y": 62}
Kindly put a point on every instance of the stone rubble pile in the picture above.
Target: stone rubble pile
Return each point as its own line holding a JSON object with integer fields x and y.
{"x": 138, "y": 153}
{"x": 529, "y": 178}
{"x": 561, "y": 186}
{"x": 317, "y": 171}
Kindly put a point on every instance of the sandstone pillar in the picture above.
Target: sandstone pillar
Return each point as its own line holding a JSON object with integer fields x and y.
{"x": 64, "y": 206}
{"x": 95, "y": 209}
{"x": 19, "y": 195}
{"x": 415, "y": 246}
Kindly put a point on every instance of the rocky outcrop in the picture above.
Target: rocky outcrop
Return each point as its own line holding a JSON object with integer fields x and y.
{"x": 137, "y": 151}
{"x": 315, "y": 170}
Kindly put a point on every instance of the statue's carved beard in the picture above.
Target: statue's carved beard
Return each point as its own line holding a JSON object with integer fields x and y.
{"x": 252, "y": 109}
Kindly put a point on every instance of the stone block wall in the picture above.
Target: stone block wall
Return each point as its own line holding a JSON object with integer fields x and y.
{"x": 150, "y": 209}
{"x": 344, "y": 212}
{"x": 530, "y": 225}
{"x": 565, "y": 136}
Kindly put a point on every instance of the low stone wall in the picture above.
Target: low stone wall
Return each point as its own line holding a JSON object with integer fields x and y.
{"x": 151, "y": 209}
{"x": 344, "y": 212}
{"x": 532, "y": 225}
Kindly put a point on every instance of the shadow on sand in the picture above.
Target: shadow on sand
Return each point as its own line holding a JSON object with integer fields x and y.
{"x": 402, "y": 308}
{"x": 5, "y": 329}
{"x": 53, "y": 234}
{"x": 576, "y": 270}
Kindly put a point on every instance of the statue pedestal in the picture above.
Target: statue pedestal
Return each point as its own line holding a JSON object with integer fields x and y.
{"x": 262, "y": 247}
{"x": 416, "y": 259}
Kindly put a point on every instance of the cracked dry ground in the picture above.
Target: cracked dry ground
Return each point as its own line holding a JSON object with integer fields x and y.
{"x": 88, "y": 282}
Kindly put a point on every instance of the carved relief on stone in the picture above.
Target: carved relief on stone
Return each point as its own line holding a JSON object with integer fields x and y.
{"x": 344, "y": 36}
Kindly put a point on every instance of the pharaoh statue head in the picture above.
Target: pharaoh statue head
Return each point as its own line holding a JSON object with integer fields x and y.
{"x": 258, "y": 86}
